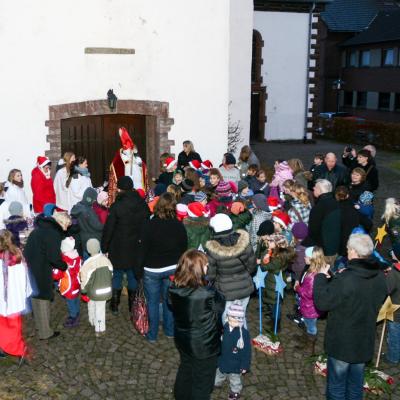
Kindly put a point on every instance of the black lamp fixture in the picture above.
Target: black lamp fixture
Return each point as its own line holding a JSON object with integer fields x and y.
{"x": 111, "y": 100}
{"x": 338, "y": 86}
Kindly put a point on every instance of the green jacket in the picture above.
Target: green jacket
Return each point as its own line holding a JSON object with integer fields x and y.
{"x": 198, "y": 231}
{"x": 273, "y": 267}
{"x": 240, "y": 221}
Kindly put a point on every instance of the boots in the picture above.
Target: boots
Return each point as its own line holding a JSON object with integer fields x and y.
{"x": 131, "y": 297}
{"x": 115, "y": 299}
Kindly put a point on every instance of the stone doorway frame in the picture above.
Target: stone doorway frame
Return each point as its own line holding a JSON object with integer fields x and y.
{"x": 158, "y": 124}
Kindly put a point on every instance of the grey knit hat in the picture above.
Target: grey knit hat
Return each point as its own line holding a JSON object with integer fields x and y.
{"x": 93, "y": 247}
{"x": 15, "y": 208}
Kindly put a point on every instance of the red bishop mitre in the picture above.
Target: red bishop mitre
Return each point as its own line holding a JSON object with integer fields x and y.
{"x": 127, "y": 142}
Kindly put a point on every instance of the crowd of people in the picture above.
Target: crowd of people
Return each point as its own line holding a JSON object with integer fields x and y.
{"x": 194, "y": 243}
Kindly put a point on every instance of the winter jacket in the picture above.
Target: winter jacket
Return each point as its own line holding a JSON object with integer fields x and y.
{"x": 372, "y": 178}
{"x": 91, "y": 227}
{"x": 122, "y": 229}
{"x": 282, "y": 174}
{"x": 16, "y": 224}
{"x": 184, "y": 159}
{"x": 241, "y": 220}
{"x": 350, "y": 219}
{"x": 197, "y": 314}
{"x": 232, "y": 359}
{"x": 231, "y": 264}
{"x": 215, "y": 206}
{"x": 162, "y": 242}
{"x": 42, "y": 190}
{"x": 325, "y": 225}
{"x": 42, "y": 253}
{"x": 273, "y": 267}
{"x": 338, "y": 175}
{"x": 260, "y": 187}
{"x": 393, "y": 230}
{"x": 198, "y": 231}
{"x": 353, "y": 299}
{"x": 393, "y": 284}
{"x": 69, "y": 284}
{"x": 305, "y": 291}
{"x": 166, "y": 178}
{"x": 101, "y": 212}
{"x": 298, "y": 264}
{"x": 355, "y": 191}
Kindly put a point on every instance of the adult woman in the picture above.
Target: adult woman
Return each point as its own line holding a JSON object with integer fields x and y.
{"x": 15, "y": 289}
{"x": 300, "y": 205}
{"x": 42, "y": 253}
{"x": 121, "y": 239}
{"x": 298, "y": 171}
{"x": 197, "y": 307}
{"x": 63, "y": 196}
{"x": 231, "y": 261}
{"x": 246, "y": 158}
{"x": 163, "y": 241}
{"x": 15, "y": 191}
{"x": 365, "y": 161}
{"x": 358, "y": 184}
{"x": 188, "y": 154}
{"x": 79, "y": 180}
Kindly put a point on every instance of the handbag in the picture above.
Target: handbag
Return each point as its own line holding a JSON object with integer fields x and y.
{"x": 140, "y": 315}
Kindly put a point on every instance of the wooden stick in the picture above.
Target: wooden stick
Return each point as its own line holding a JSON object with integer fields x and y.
{"x": 380, "y": 344}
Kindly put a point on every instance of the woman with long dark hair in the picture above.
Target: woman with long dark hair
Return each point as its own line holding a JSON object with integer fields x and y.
{"x": 79, "y": 180}
{"x": 63, "y": 197}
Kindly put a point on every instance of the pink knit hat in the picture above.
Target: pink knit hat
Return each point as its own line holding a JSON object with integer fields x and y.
{"x": 102, "y": 197}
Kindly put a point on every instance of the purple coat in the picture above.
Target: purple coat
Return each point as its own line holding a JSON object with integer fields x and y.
{"x": 305, "y": 291}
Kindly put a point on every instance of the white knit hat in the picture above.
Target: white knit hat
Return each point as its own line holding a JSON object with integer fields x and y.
{"x": 68, "y": 244}
{"x": 221, "y": 223}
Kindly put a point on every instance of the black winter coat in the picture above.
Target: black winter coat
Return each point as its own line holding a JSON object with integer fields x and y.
{"x": 338, "y": 175}
{"x": 232, "y": 266}
{"x": 184, "y": 159}
{"x": 355, "y": 191}
{"x": 42, "y": 253}
{"x": 324, "y": 225}
{"x": 393, "y": 284}
{"x": 197, "y": 314}
{"x": 370, "y": 169}
{"x": 353, "y": 299}
{"x": 122, "y": 229}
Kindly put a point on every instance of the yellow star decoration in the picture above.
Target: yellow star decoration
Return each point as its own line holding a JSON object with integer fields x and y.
{"x": 387, "y": 310}
{"x": 381, "y": 234}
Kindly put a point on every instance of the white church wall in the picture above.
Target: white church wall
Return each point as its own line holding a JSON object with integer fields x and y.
{"x": 240, "y": 52}
{"x": 284, "y": 71}
{"x": 181, "y": 57}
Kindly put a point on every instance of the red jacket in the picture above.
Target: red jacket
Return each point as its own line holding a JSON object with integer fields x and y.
{"x": 69, "y": 283}
{"x": 101, "y": 212}
{"x": 42, "y": 189}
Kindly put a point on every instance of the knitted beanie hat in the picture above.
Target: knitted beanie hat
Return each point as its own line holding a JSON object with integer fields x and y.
{"x": 366, "y": 198}
{"x": 102, "y": 197}
{"x": 280, "y": 240}
{"x": 237, "y": 208}
{"x": 125, "y": 183}
{"x": 260, "y": 202}
{"x": 242, "y": 185}
{"x": 68, "y": 244}
{"x": 93, "y": 246}
{"x": 15, "y": 208}
{"x": 223, "y": 189}
{"x": 200, "y": 196}
{"x": 300, "y": 230}
{"x": 221, "y": 223}
{"x": 48, "y": 209}
{"x": 236, "y": 311}
{"x": 309, "y": 251}
{"x": 187, "y": 185}
{"x": 230, "y": 159}
{"x": 266, "y": 228}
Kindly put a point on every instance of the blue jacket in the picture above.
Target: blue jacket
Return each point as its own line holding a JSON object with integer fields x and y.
{"x": 233, "y": 360}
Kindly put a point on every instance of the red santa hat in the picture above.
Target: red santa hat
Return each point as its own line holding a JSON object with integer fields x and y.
{"x": 127, "y": 142}
{"x": 169, "y": 162}
{"x": 42, "y": 161}
{"x": 142, "y": 193}
{"x": 273, "y": 203}
{"x": 181, "y": 211}
{"x": 196, "y": 209}
{"x": 196, "y": 164}
{"x": 281, "y": 218}
{"x": 207, "y": 164}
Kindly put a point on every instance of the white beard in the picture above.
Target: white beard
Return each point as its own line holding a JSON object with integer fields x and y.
{"x": 133, "y": 167}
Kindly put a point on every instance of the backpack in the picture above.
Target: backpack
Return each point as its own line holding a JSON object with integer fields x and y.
{"x": 98, "y": 287}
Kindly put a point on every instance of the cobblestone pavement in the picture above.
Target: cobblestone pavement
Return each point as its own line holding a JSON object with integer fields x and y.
{"x": 122, "y": 365}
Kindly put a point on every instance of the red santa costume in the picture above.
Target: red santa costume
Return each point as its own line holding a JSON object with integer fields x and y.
{"x": 126, "y": 163}
{"x": 42, "y": 185}
{"x": 15, "y": 289}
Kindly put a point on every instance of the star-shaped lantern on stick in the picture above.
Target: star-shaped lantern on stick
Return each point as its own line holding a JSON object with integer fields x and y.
{"x": 279, "y": 284}
{"x": 387, "y": 310}
{"x": 381, "y": 234}
{"x": 259, "y": 279}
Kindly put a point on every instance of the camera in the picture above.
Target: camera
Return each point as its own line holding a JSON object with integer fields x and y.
{"x": 348, "y": 149}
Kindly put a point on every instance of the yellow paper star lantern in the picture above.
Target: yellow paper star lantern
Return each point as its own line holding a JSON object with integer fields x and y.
{"x": 381, "y": 234}
{"x": 387, "y": 310}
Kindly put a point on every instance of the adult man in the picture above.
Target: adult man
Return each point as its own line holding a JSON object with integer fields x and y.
{"x": 325, "y": 224}
{"x": 353, "y": 299}
{"x": 228, "y": 169}
{"x": 330, "y": 170}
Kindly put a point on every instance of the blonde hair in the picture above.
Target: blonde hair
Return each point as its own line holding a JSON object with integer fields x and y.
{"x": 301, "y": 194}
{"x": 7, "y": 245}
{"x": 296, "y": 165}
{"x": 392, "y": 209}
{"x": 62, "y": 218}
{"x": 360, "y": 172}
{"x": 175, "y": 191}
{"x": 12, "y": 174}
{"x": 289, "y": 184}
{"x": 190, "y": 145}
{"x": 317, "y": 260}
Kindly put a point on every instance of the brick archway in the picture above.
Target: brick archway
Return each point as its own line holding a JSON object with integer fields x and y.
{"x": 158, "y": 124}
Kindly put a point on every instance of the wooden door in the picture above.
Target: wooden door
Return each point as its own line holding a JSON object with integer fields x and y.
{"x": 97, "y": 139}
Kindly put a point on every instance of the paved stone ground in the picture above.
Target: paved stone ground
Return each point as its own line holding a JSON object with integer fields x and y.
{"x": 123, "y": 365}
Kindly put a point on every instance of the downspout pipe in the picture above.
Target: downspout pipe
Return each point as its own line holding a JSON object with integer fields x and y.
{"x": 310, "y": 18}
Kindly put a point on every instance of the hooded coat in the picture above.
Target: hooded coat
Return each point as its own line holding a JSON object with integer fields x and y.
{"x": 198, "y": 231}
{"x": 353, "y": 299}
{"x": 42, "y": 253}
{"x": 231, "y": 264}
{"x": 91, "y": 227}
{"x": 42, "y": 190}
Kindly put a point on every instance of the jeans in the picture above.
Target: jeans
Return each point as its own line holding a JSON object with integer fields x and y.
{"x": 118, "y": 274}
{"x": 195, "y": 378}
{"x": 156, "y": 284}
{"x": 244, "y": 302}
{"x": 311, "y": 325}
{"x": 74, "y": 306}
{"x": 393, "y": 342}
{"x": 345, "y": 381}
{"x": 235, "y": 381}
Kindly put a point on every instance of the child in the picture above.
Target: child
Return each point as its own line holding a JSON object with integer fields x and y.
{"x": 69, "y": 285}
{"x": 314, "y": 256}
{"x": 251, "y": 175}
{"x": 244, "y": 192}
{"x": 100, "y": 207}
{"x": 215, "y": 178}
{"x": 264, "y": 231}
{"x": 260, "y": 213}
{"x": 166, "y": 177}
{"x": 235, "y": 357}
{"x": 223, "y": 200}
{"x": 391, "y": 216}
{"x": 197, "y": 226}
{"x": 239, "y": 215}
{"x": 260, "y": 184}
{"x": 16, "y": 223}
{"x": 276, "y": 258}
{"x": 365, "y": 204}
{"x": 178, "y": 178}
{"x": 281, "y": 222}
{"x": 282, "y": 173}
{"x": 96, "y": 276}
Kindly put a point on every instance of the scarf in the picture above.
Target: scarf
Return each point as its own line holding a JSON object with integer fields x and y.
{"x": 82, "y": 171}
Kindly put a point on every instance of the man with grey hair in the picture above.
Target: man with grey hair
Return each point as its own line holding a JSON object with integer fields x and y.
{"x": 324, "y": 224}
{"x": 352, "y": 299}
{"x": 336, "y": 174}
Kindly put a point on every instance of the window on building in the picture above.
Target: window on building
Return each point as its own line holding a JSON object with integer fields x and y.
{"x": 351, "y": 58}
{"x": 384, "y": 101}
{"x": 362, "y": 99}
{"x": 397, "y": 102}
{"x": 388, "y": 57}
{"x": 365, "y": 58}
{"x": 348, "y": 99}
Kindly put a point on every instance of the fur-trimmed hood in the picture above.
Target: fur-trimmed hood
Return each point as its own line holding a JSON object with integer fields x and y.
{"x": 216, "y": 248}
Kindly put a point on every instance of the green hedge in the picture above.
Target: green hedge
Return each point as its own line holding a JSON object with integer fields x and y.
{"x": 384, "y": 135}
